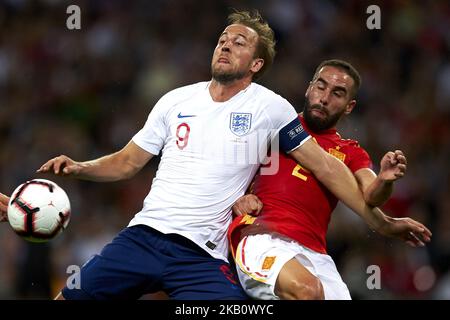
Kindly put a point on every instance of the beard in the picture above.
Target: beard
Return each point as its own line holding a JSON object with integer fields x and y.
{"x": 318, "y": 124}
{"x": 226, "y": 77}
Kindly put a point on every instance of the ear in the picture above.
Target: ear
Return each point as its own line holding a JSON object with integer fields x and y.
{"x": 257, "y": 64}
{"x": 350, "y": 106}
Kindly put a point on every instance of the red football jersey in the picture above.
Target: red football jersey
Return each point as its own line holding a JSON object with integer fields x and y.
{"x": 296, "y": 204}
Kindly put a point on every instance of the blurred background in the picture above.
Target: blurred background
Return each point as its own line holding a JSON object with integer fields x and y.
{"x": 85, "y": 93}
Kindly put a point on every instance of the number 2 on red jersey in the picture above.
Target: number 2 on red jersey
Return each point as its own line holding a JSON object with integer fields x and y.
{"x": 296, "y": 172}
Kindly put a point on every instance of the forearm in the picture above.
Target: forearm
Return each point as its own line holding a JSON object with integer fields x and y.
{"x": 113, "y": 167}
{"x": 378, "y": 192}
{"x": 117, "y": 166}
{"x": 341, "y": 182}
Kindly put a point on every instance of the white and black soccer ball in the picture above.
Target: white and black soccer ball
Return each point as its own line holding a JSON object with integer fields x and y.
{"x": 39, "y": 210}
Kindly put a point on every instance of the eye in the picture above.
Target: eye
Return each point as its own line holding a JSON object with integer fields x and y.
{"x": 338, "y": 94}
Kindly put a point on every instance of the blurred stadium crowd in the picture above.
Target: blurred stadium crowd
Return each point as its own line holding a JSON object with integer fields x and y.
{"x": 84, "y": 93}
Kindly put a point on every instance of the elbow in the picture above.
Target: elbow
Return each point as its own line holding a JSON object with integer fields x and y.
{"x": 129, "y": 173}
{"x": 125, "y": 167}
{"x": 128, "y": 170}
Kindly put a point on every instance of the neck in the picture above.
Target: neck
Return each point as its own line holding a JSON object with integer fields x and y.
{"x": 221, "y": 92}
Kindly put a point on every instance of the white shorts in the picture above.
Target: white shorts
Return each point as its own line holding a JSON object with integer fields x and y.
{"x": 259, "y": 259}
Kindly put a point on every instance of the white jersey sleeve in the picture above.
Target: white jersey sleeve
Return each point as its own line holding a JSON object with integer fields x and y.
{"x": 286, "y": 124}
{"x": 153, "y": 135}
{"x": 280, "y": 112}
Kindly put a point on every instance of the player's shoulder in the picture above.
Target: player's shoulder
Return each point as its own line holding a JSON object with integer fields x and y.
{"x": 349, "y": 144}
{"x": 271, "y": 101}
{"x": 265, "y": 94}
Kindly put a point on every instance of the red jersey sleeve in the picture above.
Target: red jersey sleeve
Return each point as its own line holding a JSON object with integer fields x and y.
{"x": 359, "y": 158}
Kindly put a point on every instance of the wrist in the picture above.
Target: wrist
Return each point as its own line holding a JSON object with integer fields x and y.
{"x": 378, "y": 220}
{"x": 81, "y": 169}
{"x": 383, "y": 179}
{"x": 384, "y": 223}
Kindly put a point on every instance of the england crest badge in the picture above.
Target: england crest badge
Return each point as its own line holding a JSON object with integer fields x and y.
{"x": 240, "y": 123}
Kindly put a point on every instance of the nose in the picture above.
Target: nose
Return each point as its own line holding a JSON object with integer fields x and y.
{"x": 325, "y": 97}
{"x": 226, "y": 46}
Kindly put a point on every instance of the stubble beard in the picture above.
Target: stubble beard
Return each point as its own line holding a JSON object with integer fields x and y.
{"x": 226, "y": 77}
{"x": 317, "y": 124}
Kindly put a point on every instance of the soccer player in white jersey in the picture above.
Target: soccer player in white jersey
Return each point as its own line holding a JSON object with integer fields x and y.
{"x": 211, "y": 135}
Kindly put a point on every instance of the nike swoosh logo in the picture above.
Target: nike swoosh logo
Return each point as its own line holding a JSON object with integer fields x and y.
{"x": 185, "y": 115}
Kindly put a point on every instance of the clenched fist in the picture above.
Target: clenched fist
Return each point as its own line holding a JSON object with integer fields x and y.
{"x": 392, "y": 166}
{"x": 247, "y": 204}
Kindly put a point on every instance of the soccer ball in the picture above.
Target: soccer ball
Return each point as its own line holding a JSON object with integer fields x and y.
{"x": 39, "y": 210}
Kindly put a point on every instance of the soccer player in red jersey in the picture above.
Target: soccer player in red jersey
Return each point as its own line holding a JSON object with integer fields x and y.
{"x": 281, "y": 253}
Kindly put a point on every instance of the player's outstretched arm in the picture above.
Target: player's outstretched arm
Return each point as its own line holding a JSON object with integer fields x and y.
{"x": 335, "y": 175}
{"x": 123, "y": 164}
{"x": 4, "y": 200}
{"x": 377, "y": 189}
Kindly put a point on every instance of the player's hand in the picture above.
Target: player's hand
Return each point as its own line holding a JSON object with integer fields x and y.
{"x": 409, "y": 230}
{"x": 247, "y": 204}
{"x": 392, "y": 166}
{"x": 4, "y": 200}
{"x": 60, "y": 166}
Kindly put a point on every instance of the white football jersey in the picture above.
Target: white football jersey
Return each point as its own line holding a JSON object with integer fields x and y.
{"x": 210, "y": 153}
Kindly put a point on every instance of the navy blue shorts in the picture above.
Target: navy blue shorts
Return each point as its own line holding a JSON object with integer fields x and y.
{"x": 142, "y": 260}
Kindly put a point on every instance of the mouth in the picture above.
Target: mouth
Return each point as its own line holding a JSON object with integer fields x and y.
{"x": 223, "y": 60}
{"x": 318, "y": 113}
